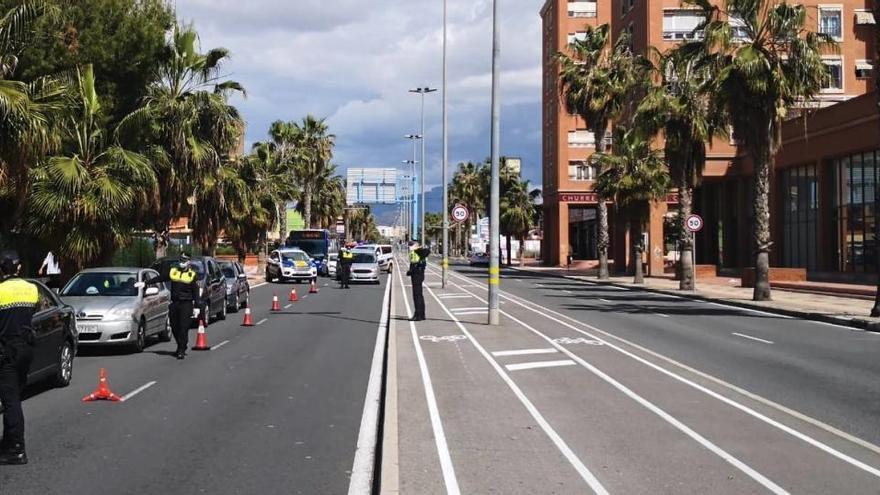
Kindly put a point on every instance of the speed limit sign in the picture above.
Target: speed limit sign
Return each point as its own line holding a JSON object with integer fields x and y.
{"x": 460, "y": 213}
{"x": 694, "y": 223}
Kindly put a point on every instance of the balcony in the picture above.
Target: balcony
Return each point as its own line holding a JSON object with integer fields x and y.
{"x": 582, "y": 9}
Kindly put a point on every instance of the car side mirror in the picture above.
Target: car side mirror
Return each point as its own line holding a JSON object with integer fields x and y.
{"x": 151, "y": 291}
{"x": 242, "y": 275}
{"x": 56, "y": 290}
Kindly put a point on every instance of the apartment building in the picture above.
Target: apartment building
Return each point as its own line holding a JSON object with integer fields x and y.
{"x": 724, "y": 198}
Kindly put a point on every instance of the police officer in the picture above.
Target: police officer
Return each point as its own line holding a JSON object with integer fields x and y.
{"x": 418, "y": 261}
{"x": 184, "y": 300}
{"x": 18, "y": 303}
{"x": 346, "y": 258}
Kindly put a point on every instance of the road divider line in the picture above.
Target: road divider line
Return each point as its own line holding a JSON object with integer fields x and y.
{"x": 466, "y": 313}
{"x": 524, "y": 352}
{"x": 363, "y": 468}
{"x": 661, "y": 315}
{"x": 289, "y": 305}
{"x": 446, "y": 466}
{"x": 221, "y": 344}
{"x": 454, "y": 296}
{"x": 604, "y": 300}
{"x": 557, "y": 440}
{"x": 540, "y": 364}
{"x": 772, "y": 422}
{"x": 752, "y": 338}
{"x": 137, "y": 391}
{"x": 264, "y": 320}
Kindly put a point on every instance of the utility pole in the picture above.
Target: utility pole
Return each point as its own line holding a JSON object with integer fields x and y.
{"x": 495, "y": 187}
{"x": 445, "y": 163}
{"x": 413, "y": 162}
{"x": 423, "y": 92}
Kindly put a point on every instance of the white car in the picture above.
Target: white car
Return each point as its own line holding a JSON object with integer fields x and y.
{"x": 332, "y": 261}
{"x": 384, "y": 255}
{"x": 290, "y": 264}
{"x": 364, "y": 267}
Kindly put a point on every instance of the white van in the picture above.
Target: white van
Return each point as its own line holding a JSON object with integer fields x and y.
{"x": 384, "y": 254}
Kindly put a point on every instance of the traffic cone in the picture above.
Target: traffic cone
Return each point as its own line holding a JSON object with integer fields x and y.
{"x": 276, "y": 306}
{"x": 313, "y": 289}
{"x": 248, "y": 319}
{"x": 103, "y": 391}
{"x": 293, "y": 297}
{"x": 201, "y": 339}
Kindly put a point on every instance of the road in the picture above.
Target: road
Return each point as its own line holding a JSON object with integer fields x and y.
{"x": 592, "y": 388}
{"x": 273, "y": 409}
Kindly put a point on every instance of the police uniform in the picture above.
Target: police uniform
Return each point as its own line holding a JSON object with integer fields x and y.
{"x": 184, "y": 297}
{"x": 18, "y": 303}
{"x": 418, "y": 261}
{"x": 346, "y": 258}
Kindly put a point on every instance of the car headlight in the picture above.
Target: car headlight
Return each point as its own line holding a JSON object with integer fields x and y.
{"x": 119, "y": 314}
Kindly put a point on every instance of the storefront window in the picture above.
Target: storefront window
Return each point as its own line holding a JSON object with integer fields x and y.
{"x": 856, "y": 179}
{"x": 800, "y": 193}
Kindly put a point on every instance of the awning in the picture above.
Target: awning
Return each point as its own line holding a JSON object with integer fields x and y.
{"x": 864, "y": 66}
{"x": 863, "y": 17}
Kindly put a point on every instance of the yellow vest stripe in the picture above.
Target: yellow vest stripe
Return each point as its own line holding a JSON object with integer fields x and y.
{"x": 18, "y": 293}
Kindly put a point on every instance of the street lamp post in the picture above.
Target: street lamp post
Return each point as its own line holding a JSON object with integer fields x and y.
{"x": 423, "y": 92}
{"x": 412, "y": 226}
{"x": 494, "y": 199}
{"x": 445, "y": 265}
{"x": 414, "y": 162}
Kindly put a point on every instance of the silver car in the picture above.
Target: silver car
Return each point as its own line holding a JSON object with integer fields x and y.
{"x": 365, "y": 266}
{"x": 113, "y": 307}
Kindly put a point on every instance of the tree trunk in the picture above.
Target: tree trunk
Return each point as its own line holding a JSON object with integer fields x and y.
{"x": 522, "y": 251}
{"x": 685, "y": 258}
{"x": 307, "y": 205}
{"x": 602, "y": 210}
{"x": 637, "y": 249}
{"x": 507, "y": 241}
{"x": 160, "y": 242}
{"x": 282, "y": 221}
{"x": 262, "y": 249}
{"x": 762, "y": 223}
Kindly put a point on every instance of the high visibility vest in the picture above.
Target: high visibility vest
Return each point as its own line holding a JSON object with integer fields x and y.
{"x": 18, "y": 293}
{"x": 414, "y": 257}
{"x": 347, "y": 256}
{"x": 184, "y": 277}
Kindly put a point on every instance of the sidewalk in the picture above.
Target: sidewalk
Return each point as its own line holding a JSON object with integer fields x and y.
{"x": 800, "y": 303}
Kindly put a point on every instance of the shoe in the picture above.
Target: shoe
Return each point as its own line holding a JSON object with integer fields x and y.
{"x": 14, "y": 455}
{"x": 180, "y": 355}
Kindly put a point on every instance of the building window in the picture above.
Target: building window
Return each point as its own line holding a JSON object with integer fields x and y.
{"x": 579, "y": 170}
{"x": 580, "y": 36}
{"x": 855, "y": 180}
{"x": 581, "y": 9}
{"x": 681, "y": 24}
{"x": 831, "y": 21}
{"x": 581, "y": 139}
{"x": 835, "y": 69}
{"x": 738, "y": 28}
{"x": 864, "y": 68}
{"x": 800, "y": 212}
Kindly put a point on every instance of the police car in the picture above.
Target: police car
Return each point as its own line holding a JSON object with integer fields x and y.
{"x": 290, "y": 264}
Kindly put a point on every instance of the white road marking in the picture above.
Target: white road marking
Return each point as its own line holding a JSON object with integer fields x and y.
{"x": 791, "y": 431}
{"x": 221, "y": 344}
{"x": 137, "y": 391}
{"x": 566, "y": 451}
{"x": 264, "y": 320}
{"x": 259, "y": 285}
{"x": 540, "y": 364}
{"x": 568, "y": 292}
{"x": 365, "y": 454}
{"x": 523, "y": 352}
{"x": 455, "y": 296}
{"x": 774, "y": 315}
{"x": 445, "y": 338}
{"x": 289, "y": 305}
{"x": 763, "y": 400}
{"x": 752, "y": 338}
{"x": 604, "y": 300}
{"x": 479, "y": 308}
{"x": 662, "y": 315}
{"x": 466, "y": 313}
{"x": 446, "y": 465}
{"x": 706, "y": 443}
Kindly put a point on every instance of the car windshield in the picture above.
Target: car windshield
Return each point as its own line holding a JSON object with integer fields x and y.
{"x": 228, "y": 270}
{"x": 295, "y": 256}
{"x": 364, "y": 258}
{"x": 102, "y": 284}
{"x": 315, "y": 247}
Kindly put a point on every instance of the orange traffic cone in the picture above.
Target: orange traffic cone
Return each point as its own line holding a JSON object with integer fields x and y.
{"x": 293, "y": 297}
{"x": 103, "y": 391}
{"x": 201, "y": 339}
{"x": 248, "y": 319}
{"x": 276, "y": 306}
{"x": 313, "y": 289}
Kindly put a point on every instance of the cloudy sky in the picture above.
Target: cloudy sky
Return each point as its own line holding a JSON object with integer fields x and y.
{"x": 352, "y": 62}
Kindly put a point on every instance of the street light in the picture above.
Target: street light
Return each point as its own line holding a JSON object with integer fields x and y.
{"x": 423, "y": 92}
{"x": 445, "y": 264}
{"x": 494, "y": 198}
{"x": 413, "y": 212}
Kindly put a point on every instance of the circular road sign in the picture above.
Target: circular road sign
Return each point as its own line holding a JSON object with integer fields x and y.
{"x": 694, "y": 223}
{"x": 460, "y": 213}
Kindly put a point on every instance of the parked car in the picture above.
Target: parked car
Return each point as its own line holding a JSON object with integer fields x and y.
{"x": 54, "y": 324}
{"x": 290, "y": 264}
{"x": 384, "y": 255}
{"x": 238, "y": 289}
{"x": 332, "y": 262}
{"x": 113, "y": 307}
{"x": 479, "y": 259}
{"x": 212, "y": 286}
{"x": 365, "y": 266}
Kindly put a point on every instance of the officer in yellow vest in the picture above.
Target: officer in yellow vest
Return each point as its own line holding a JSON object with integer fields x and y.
{"x": 184, "y": 298}
{"x": 418, "y": 262}
{"x": 18, "y": 303}
{"x": 346, "y": 258}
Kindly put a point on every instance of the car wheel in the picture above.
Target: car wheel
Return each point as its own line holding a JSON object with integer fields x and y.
{"x": 165, "y": 335}
{"x": 65, "y": 366}
{"x": 236, "y": 304}
{"x": 140, "y": 340}
{"x": 222, "y": 314}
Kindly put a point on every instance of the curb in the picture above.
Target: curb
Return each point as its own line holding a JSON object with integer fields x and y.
{"x": 855, "y": 322}
{"x": 389, "y": 476}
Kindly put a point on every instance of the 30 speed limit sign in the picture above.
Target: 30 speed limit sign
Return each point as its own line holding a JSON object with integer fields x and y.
{"x": 694, "y": 223}
{"x": 460, "y": 213}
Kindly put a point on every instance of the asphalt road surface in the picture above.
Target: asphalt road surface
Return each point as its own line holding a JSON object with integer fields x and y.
{"x": 271, "y": 409}
{"x": 588, "y": 388}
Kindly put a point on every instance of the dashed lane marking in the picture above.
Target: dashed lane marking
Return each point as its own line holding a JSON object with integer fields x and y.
{"x": 539, "y": 364}
{"x": 221, "y": 344}
{"x": 524, "y": 352}
{"x": 752, "y": 338}
{"x": 445, "y": 338}
{"x": 264, "y": 320}
{"x": 137, "y": 391}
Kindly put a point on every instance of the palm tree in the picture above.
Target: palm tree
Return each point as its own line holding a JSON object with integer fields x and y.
{"x": 597, "y": 81}
{"x": 634, "y": 176}
{"x": 681, "y": 107}
{"x": 284, "y": 137}
{"x": 315, "y": 150}
{"x": 517, "y": 213}
{"x": 468, "y": 190}
{"x": 760, "y": 71}
{"x": 328, "y": 198}
{"x": 79, "y": 197}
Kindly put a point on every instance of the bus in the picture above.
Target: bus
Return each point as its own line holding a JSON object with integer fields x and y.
{"x": 318, "y": 243}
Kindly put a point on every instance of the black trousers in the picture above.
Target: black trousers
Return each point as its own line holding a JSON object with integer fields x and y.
{"x": 346, "y": 276}
{"x": 181, "y": 314}
{"x": 418, "y": 278}
{"x": 13, "y": 378}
